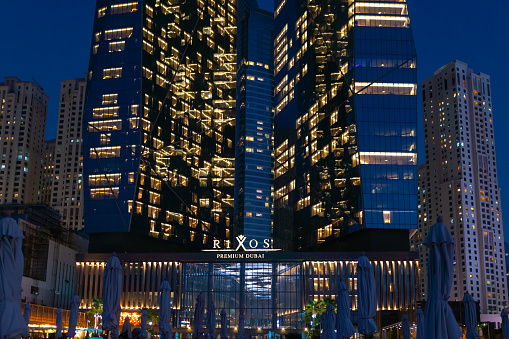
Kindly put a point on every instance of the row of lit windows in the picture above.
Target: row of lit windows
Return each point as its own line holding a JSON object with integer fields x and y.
{"x": 109, "y": 73}
{"x": 385, "y": 88}
{"x": 105, "y": 152}
{"x": 379, "y": 8}
{"x": 104, "y": 193}
{"x": 105, "y": 125}
{"x": 105, "y": 112}
{"x": 129, "y": 7}
{"x": 380, "y": 21}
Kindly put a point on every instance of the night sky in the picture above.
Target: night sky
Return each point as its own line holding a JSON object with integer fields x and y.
{"x": 50, "y": 41}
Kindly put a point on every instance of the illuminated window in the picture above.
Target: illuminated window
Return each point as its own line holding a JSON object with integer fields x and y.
{"x": 104, "y": 179}
{"x": 105, "y": 138}
{"x": 148, "y": 47}
{"x": 134, "y": 123}
{"x": 105, "y": 152}
{"x": 381, "y": 21}
{"x": 101, "y": 12}
{"x": 161, "y": 81}
{"x": 116, "y": 46}
{"x": 104, "y": 193}
{"x": 121, "y": 33}
{"x": 149, "y": 10}
{"x": 109, "y": 73}
{"x": 153, "y": 212}
{"x": 148, "y": 35}
{"x": 163, "y": 44}
{"x": 134, "y": 110}
{"x": 155, "y": 183}
{"x": 387, "y": 217}
{"x": 385, "y": 88}
{"x": 95, "y": 48}
{"x": 109, "y": 99}
{"x": 124, "y": 8}
{"x": 147, "y": 73}
{"x": 105, "y": 125}
{"x": 388, "y": 158}
{"x": 155, "y": 198}
{"x": 130, "y": 177}
{"x": 139, "y": 207}
{"x": 105, "y": 112}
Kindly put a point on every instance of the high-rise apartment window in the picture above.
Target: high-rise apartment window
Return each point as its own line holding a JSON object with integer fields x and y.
{"x": 109, "y": 99}
{"x": 101, "y": 12}
{"x": 104, "y": 193}
{"x": 105, "y": 152}
{"x": 105, "y": 112}
{"x": 105, "y": 125}
{"x": 121, "y": 33}
{"x": 116, "y": 46}
{"x": 109, "y": 73}
{"x": 147, "y": 73}
{"x": 104, "y": 179}
{"x": 129, "y": 7}
{"x": 387, "y": 217}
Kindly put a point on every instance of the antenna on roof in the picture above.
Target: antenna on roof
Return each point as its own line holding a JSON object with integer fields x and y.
{"x": 40, "y": 87}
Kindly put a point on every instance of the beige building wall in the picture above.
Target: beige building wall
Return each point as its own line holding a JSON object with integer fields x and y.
{"x": 23, "y": 110}
{"x": 67, "y": 194}
{"x": 459, "y": 181}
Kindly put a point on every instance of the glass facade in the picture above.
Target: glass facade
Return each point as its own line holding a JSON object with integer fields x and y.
{"x": 345, "y": 119}
{"x": 271, "y": 293}
{"x": 160, "y": 120}
{"x": 254, "y": 127}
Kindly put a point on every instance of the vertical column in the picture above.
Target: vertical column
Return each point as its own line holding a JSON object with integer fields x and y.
{"x": 274, "y": 294}
{"x": 242, "y": 296}
{"x": 210, "y": 284}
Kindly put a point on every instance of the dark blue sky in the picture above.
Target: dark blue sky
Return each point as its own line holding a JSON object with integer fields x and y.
{"x": 50, "y": 41}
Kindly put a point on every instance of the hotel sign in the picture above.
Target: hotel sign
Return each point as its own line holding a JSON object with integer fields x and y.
{"x": 244, "y": 246}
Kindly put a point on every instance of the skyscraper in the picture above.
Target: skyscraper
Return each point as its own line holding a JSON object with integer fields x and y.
{"x": 345, "y": 122}
{"x": 67, "y": 190}
{"x": 459, "y": 181}
{"x": 23, "y": 110}
{"x": 254, "y": 122}
{"x": 159, "y": 121}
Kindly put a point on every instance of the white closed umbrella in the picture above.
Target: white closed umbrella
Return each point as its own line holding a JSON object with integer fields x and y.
{"x": 12, "y": 323}
{"x": 73, "y": 316}
{"x": 143, "y": 332}
{"x": 165, "y": 329}
{"x": 26, "y": 317}
{"x": 60, "y": 317}
{"x": 126, "y": 328}
{"x": 112, "y": 284}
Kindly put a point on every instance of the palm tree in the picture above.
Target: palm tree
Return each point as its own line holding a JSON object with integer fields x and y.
{"x": 96, "y": 310}
{"x": 313, "y": 311}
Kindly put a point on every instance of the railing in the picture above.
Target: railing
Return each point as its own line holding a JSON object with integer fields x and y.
{"x": 44, "y": 316}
